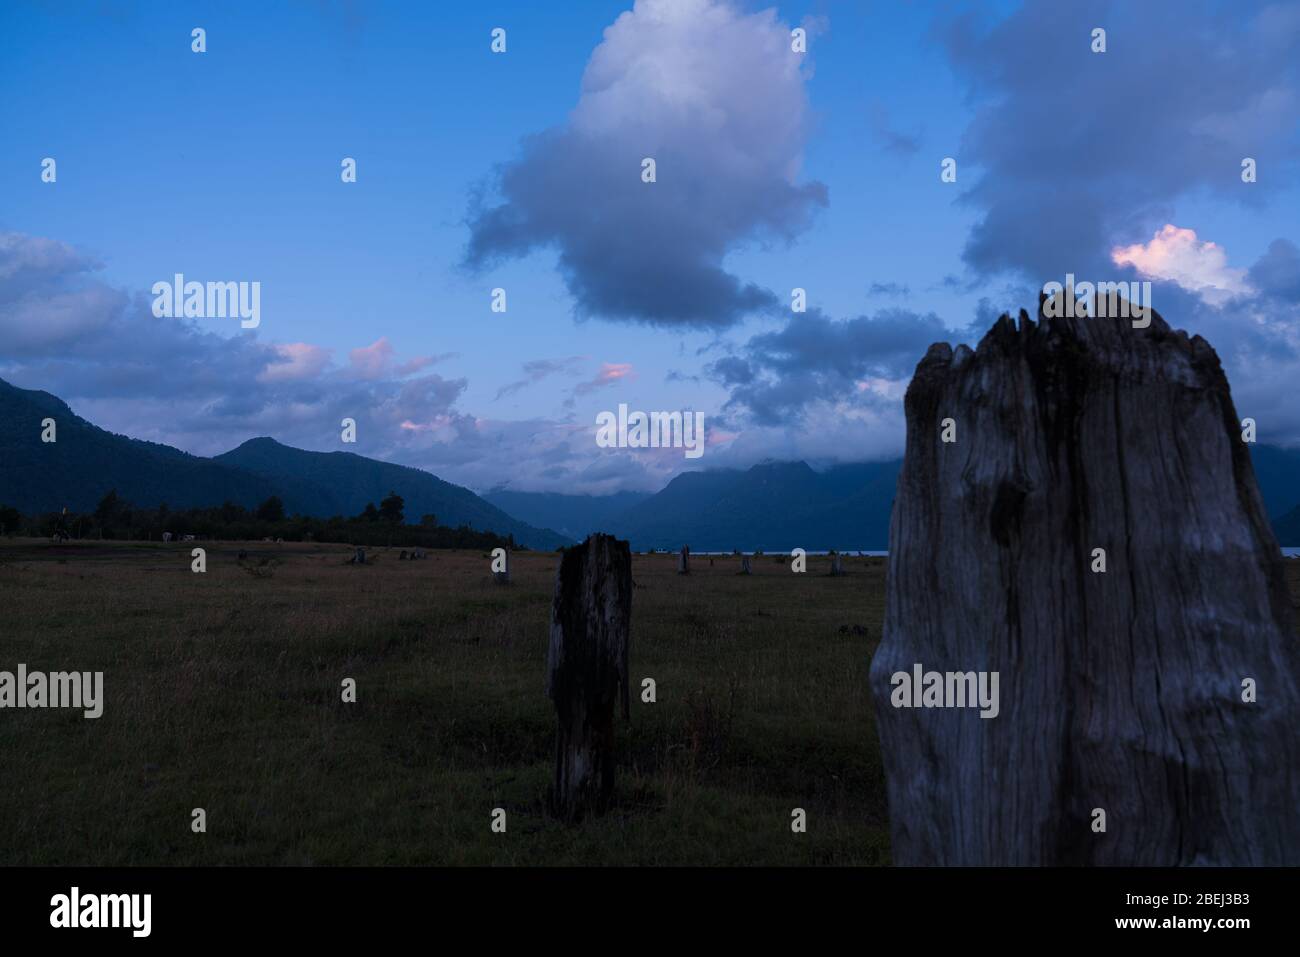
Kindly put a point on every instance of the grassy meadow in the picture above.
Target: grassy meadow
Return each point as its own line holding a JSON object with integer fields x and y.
{"x": 223, "y": 691}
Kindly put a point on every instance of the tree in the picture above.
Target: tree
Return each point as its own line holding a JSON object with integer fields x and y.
{"x": 429, "y": 520}
{"x": 371, "y": 514}
{"x": 272, "y": 510}
{"x": 391, "y": 509}
{"x": 108, "y": 508}
{"x": 9, "y": 519}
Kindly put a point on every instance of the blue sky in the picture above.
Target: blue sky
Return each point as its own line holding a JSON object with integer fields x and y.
{"x": 479, "y": 170}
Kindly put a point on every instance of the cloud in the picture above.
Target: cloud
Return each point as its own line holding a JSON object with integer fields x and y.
{"x": 171, "y": 381}
{"x": 717, "y": 98}
{"x": 536, "y": 370}
{"x": 298, "y": 360}
{"x": 1277, "y": 273}
{"x": 1177, "y": 255}
{"x": 814, "y": 359}
{"x": 378, "y": 361}
{"x": 609, "y": 374}
{"x": 1070, "y": 151}
{"x": 32, "y": 262}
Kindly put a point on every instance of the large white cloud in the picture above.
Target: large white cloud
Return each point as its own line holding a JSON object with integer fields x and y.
{"x": 716, "y": 97}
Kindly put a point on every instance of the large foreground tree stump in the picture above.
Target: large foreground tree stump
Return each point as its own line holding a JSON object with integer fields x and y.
{"x": 587, "y": 670}
{"x": 1121, "y": 691}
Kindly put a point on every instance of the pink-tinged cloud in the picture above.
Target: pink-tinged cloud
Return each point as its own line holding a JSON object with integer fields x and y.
{"x": 435, "y": 424}
{"x": 295, "y": 361}
{"x": 415, "y": 365}
{"x": 372, "y": 361}
{"x": 1178, "y": 256}
{"x": 610, "y": 373}
{"x": 376, "y": 361}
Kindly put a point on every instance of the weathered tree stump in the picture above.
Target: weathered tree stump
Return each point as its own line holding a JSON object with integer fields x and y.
{"x": 744, "y": 565}
{"x": 359, "y": 557}
{"x": 837, "y": 565}
{"x": 1121, "y": 690}
{"x": 587, "y": 672}
{"x": 684, "y": 560}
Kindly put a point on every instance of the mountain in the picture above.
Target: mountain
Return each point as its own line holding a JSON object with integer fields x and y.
{"x": 782, "y": 505}
{"x": 576, "y": 516}
{"x": 1277, "y": 470}
{"x": 352, "y": 481}
{"x": 773, "y": 507}
{"x": 1287, "y": 528}
{"x": 85, "y": 462}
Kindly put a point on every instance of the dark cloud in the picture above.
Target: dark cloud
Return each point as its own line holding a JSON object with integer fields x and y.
{"x": 1070, "y": 150}
{"x": 816, "y": 359}
{"x": 1277, "y": 273}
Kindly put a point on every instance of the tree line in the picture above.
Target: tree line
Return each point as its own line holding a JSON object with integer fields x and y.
{"x": 117, "y": 519}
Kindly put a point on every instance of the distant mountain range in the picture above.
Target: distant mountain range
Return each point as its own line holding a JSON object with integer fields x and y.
{"x": 85, "y": 462}
{"x": 774, "y": 506}
{"x": 778, "y": 506}
{"x": 575, "y": 516}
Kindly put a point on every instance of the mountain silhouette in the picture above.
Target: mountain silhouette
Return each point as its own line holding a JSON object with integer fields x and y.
{"x": 775, "y": 506}
{"x": 85, "y": 462}
{"x": 351, "y": 481}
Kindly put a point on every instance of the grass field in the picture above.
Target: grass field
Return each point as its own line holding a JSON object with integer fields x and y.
{"x": 222, "y": 691}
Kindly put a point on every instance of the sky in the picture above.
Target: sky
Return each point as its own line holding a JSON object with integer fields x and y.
{"x": 522, "y": 170}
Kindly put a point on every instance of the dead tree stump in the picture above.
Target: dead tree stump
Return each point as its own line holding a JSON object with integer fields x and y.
{"x": 684, "y": 561}
{"x": 587, "y": 672}
{"x": 837, "y": 565}
{"x": 744, "y": 565}
{"x": 1121, "y": 691}
{"x": 359, "y": 557}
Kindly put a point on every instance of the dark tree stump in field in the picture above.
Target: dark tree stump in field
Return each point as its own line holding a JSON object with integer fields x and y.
{"x": 1120, "y": 690}
{"x": 744, "y": 565}
{"x": 587, "y": 672}
{"x": 684, "y": 560}
{"x": 837, "y": 565}
{"x": 359, "y": 557}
